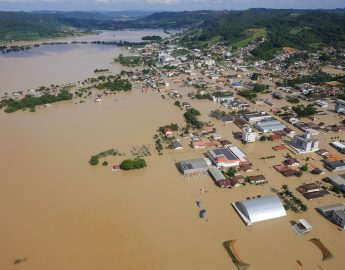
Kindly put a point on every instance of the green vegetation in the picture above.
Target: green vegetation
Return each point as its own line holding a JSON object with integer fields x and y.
{"x": 316, "y": 78}
{"x": 133, "y": 164}
{"x": 191, "y": 117}
{"x": 248, "y": 94}
{"x": 304, "y": 168}
{"x": 294, "y": 202}
{"x": 94, "y": 160}
{"x": 115, "y": 84}
{"x": 293, "y": 100}
{"x": 172, "y": 126}
{"x": 222, "y": 94}
{"x": 152, "y": 38}
{"x": 304, "y": 111}
{"x": 30, "y": 102}
{"x": 130, "y": 61}
{"x": 255, "y": 76}
{"x": 101, "y": 70}
{"x": 180, "y": 52}
{"x": 177, "y": 103}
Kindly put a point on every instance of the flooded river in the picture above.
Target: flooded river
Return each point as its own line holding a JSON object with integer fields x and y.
{"x": 59, "y": 64}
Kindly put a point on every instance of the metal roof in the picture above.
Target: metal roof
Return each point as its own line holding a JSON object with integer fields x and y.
{"x": 260, "y": 209}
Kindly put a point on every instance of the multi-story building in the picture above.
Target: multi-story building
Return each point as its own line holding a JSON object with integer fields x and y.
{"x": 248, "y": 135}
{"x": 305, "y": 143}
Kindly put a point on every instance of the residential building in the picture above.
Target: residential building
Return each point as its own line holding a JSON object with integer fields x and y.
{"x": 340, "y": 106}
{"x": 248, "y": 135}
{"x": 312, "y": 191}
{"x": 257, "y": 179}
{"x": 334, "y": 166}
{"x": 338, "y": 181}
{"x": 305, "y": 143}
{"x": 335, "y": 213}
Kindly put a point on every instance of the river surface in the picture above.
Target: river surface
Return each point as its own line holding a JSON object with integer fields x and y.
{"x": 60, "y": 64}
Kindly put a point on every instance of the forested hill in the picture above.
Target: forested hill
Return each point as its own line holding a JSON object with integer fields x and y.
{"x": 300, "y": 29}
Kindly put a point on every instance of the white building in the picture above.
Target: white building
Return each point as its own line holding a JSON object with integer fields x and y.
{"x": 305, "y": 143}
{"x": 248, "y": 135}
{"x": 259, "y": 209}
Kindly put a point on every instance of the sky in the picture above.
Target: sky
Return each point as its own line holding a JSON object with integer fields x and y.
{"x": 173, "y": 5}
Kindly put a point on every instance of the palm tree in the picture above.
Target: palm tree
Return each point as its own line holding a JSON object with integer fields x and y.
{"x": 304, "y": 208}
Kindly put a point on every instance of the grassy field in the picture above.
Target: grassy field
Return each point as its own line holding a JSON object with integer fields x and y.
{"x": 252, "y": 35}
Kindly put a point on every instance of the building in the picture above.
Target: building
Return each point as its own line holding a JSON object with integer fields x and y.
{"x": 305, "y": 143}
{"x": 291, "y": 162}
{"x": 194, "y": 166}
{"x": 340, "y": 106}
{"x": 334, "y": 166}
{"x": 248, "y": 135}
{"x": 226, "y": 183}
{"x": 312, "y": 191}
{"x": 227, "y": 156}
{"x": 269, "y": 125}
{"x": 338, "y": 181}
{"x": 338, "y": 145}
{"x": 322, "y": 104}
{"x": 302, "y": 227}
{"x": 256, "y": 116}
{"x": 177, "y": 145}
{"x": 257, "y": 179}
{"x": 259, "y": 209}
{"x": 216, "y": 174}
{"x": 335, "y": 213}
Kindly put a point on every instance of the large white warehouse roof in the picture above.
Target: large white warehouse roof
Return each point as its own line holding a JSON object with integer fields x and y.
{"x": 259, "y": 209}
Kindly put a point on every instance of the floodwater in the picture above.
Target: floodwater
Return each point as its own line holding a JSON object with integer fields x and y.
{"x": 58, "y": 212}
{"x": 60, "y": 64}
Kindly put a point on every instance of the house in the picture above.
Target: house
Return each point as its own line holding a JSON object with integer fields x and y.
{"x": 237, "y": 180}
{"x": 198, "y": 144}
{"x": 338, "y": 181}
{"x": 225, "y": 143}
{"x": 176, "y": 144}
{"x": 311, "y": 191}
{"x": 257, "y": 179}
{"x": 240, "y": 122}
{"x": 168, "y": 132}
{"x": 227, "y": 157}
{"x": 334, "y": 166}
{"x": 226, "y": 183}
{"x": 340, "y": 106}
{"x": 291, "y": 162}
{"x": 338, "y": 145}
{"x": 305, "y": 143}
{"x": 215, "y": 136}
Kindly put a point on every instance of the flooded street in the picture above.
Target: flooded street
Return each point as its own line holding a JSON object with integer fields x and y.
{"x": 59, "y": 213}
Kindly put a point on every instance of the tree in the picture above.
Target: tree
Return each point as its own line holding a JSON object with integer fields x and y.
{"x": 94, "y": 160}
{"x": 304, "y": 168}
{"x": 255, "y": 76}
{"x": 132, "y": 164}
{"x": 232, "y": 171}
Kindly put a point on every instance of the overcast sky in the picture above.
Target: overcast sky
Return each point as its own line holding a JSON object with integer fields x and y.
{"x": 120, "y": 5}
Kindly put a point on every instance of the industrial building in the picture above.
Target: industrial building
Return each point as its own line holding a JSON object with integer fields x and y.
{"x": 194, "y": 166}
{"x": 256, "y": 116}
{"x": 269, "y": 125}
{"x": 259, "y": 209}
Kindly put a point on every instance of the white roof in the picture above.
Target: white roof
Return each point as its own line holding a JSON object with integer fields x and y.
{"x": 338, "y": 144}
{"x": 260, "y": 209}
{"x": 238, "y": 153}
